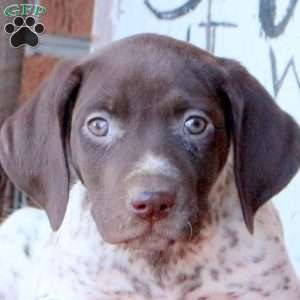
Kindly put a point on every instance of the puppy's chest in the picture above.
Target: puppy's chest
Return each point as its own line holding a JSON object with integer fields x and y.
{"x": 199, "y": 273}
{"x": 228, "y": 264}
{"x": 117, "y": 275}
{"x": 96, "y": 270}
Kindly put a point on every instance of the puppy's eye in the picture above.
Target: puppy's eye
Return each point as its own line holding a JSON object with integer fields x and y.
{"x": 98, "y": 126}
{"x": 195, "y": 125}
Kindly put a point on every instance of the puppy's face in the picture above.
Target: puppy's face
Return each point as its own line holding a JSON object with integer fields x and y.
{"x": 145, "y": 124}
{"x": 148, "y": 140}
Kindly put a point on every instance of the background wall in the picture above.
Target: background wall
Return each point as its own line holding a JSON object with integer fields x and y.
{"x": 67, "y": 35}
{"x": 263, "y": 35}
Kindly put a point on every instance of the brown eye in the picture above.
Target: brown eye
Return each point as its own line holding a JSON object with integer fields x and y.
{"x": 195, "y": 125}
{"x": 98, "y": 126}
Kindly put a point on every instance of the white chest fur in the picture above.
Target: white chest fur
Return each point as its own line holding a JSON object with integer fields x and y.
{"x": 227, "y": 264}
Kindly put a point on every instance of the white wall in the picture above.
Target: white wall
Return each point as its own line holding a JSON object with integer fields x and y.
{"x": 243, "y": 35}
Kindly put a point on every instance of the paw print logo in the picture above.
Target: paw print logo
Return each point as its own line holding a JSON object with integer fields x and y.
{"x": 24, "y": 31}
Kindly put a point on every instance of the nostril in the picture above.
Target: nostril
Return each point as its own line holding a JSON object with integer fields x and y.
{"x": 163, "y": 207}
{"x": 140, "y": 206}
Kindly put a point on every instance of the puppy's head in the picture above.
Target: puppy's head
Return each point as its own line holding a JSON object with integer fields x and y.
{"x": 146, "y": 125}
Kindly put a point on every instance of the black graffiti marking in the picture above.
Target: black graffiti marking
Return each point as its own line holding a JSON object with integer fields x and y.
{"x": 278, "y": 81}
{"x": 211, "y": 28}
{"x": 217, "y": 24}
{"x": 188, "y": 34}
{"x": 210, "y": 31}
{"x": 267, "y": 14}
{"x": 175, "y": 13}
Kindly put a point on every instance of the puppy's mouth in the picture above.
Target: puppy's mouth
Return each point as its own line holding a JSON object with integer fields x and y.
{"x": 153, "y": 233}
{"x": 150, "y": 243}
{"x": 155, "y": 239}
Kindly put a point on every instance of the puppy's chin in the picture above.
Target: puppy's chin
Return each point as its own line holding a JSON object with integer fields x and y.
{"x": 147, "y": 238}
{"x": 150, "y": 244}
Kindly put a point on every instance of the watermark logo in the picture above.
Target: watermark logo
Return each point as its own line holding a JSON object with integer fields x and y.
{"x": 24, "y": 30}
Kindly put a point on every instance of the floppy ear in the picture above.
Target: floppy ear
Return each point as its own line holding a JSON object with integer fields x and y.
{"x": 266, "y": 140}
{"x": 33, "y": 142}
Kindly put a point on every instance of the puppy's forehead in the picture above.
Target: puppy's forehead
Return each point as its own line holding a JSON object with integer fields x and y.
{"x": 149, "y": 48}
{"x": 147, "y": 69}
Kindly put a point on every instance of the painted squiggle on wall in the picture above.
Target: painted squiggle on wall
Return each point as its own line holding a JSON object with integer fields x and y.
{"x": 267, "y": 11}
{"x": 279, "y": 80}
{"x": 267, "y": 15}
{"x": 173, "y": 13}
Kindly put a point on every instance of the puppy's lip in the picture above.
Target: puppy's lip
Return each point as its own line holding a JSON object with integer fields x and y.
{"x": 151, "y": 243}
{"x": 151, "y": 236}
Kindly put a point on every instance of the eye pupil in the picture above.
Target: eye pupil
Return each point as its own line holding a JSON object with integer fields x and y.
{"x": 195, "y": 125}
{"x": 98, "y": 126}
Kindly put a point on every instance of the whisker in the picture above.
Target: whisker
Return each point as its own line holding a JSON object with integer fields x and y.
{"x": 191, "y": 229}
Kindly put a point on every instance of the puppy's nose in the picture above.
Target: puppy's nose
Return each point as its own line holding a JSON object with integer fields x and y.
{"x": 152, "y": 205}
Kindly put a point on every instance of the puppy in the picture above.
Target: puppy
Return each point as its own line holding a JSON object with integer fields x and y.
{"x": 169, "y": 152}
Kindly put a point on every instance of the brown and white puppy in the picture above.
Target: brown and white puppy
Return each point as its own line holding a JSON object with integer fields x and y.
{"x": 175, "y": 151}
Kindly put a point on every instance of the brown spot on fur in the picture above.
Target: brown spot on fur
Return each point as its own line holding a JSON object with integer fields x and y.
{"x": 286, "y": 283}
{"x": 214, "y": 274}
{"x": 228, "y": 270}
{"x": 233, "y": 238}
{"x": 255, "y": 289}
{"x": 258, "y": 259}
{"x": 233, "y": 295}
{"x": 141, "y": 288}
{"x": 181, "y": 277}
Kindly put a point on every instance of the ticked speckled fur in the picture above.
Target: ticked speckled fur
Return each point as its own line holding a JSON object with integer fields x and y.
{"x": 224, "y": 263}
